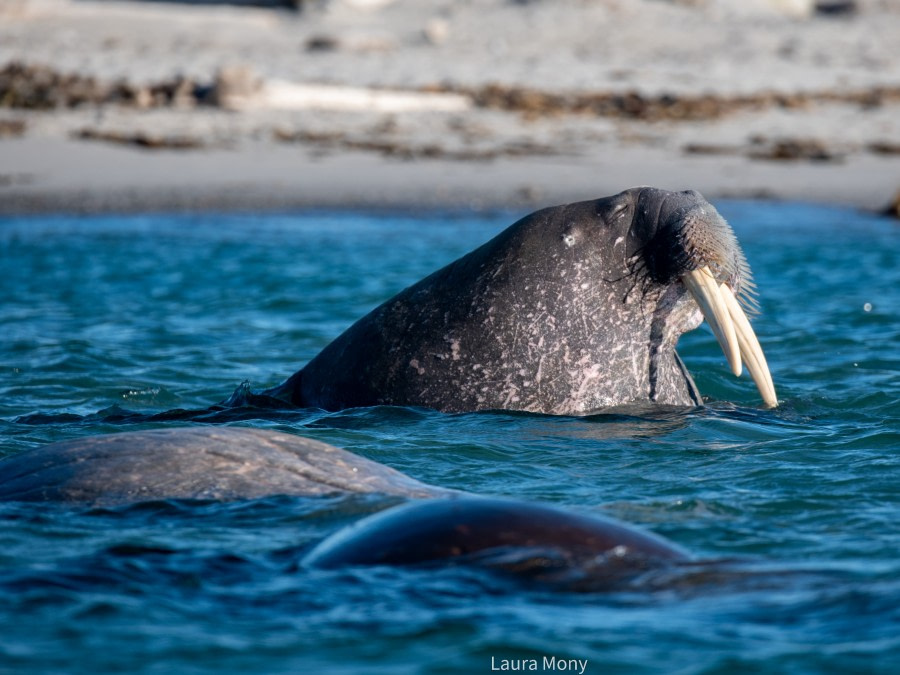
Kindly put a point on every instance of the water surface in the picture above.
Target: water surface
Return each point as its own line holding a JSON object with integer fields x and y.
{"x": 108, "y": 320}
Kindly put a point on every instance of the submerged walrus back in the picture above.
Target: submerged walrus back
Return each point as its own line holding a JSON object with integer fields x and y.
{"x": 194, "y": 463}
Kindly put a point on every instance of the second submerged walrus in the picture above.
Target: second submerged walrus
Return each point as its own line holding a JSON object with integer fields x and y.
{"x": 228, "y": 463}
{"x": 218, "y": 463}
{"x": 572, "y": 309}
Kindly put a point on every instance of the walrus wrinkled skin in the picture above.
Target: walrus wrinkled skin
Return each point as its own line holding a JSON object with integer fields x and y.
{"x": 216, "y": 463}
{"x": 570, "y": 310}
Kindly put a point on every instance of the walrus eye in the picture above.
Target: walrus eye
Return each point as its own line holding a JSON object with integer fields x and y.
{"x": 618, "y": 210}
{"x": 732, "y": 329}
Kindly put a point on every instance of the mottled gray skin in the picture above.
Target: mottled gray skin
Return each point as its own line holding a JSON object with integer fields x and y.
{"x": 221, "y": 463}
{"x": 572, "y": 309}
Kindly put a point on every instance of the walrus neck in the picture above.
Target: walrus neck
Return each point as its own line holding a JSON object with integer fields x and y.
{"x": 669, "y": 380}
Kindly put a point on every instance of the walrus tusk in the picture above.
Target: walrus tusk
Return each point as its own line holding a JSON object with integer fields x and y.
{"x": 751, "y": 351}
{"x": 732, "y": 329}
{"x": 705, "y": 290}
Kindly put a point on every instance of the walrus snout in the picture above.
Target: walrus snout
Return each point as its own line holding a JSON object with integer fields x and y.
{"x": 692, "y": 243}
{"x": 681, "y": 231}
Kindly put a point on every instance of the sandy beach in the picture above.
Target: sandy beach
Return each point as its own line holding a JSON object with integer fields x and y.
{"x": 122, "y": 106}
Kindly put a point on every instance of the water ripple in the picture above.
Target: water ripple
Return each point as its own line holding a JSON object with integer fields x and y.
{"x": 120, "y": 323}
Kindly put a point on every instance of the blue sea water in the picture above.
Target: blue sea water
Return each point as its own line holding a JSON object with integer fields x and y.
{"x": 109, "y": 319}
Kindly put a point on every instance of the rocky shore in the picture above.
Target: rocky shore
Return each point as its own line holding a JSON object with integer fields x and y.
{"x": 114, "y": 105}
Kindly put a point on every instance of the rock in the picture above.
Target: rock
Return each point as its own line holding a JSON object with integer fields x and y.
{"x": 793, "y": 149}
{"x": 893, "y": 208}
{"x": 322, "y": 43}
{"x": 12, "y": 128}
{"x": 836, "y": 7}
{"x": 235, "y": 87}
{"x": 884, "y": 148}
{"x": 436, "y": 31}
{"x": 41, "y": 88}
{"x": 140, "y": 139}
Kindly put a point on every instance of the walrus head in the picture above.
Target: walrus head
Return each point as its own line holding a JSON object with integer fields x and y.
{"x": 571, "y": 310}
{"x": 679, "y": 246}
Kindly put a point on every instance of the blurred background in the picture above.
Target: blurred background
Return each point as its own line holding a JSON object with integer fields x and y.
{"x": 340, "y": 113}
{"x": 129, "y": 105}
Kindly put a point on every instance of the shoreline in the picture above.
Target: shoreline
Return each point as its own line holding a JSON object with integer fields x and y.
{"x": 72, "y": 176}
{"x": 133, "y": 106}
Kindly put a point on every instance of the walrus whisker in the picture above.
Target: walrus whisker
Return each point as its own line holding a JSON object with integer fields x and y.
{"x": 636, "y": 270}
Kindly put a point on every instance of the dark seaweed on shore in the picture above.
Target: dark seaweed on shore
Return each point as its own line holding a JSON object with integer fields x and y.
{"x": 141, "y": 140}
{"x": 39, "y": 87}
{"x": 36, "y": 87}
{"x": 667, "y": 106}
{"x": 410, "y": 151}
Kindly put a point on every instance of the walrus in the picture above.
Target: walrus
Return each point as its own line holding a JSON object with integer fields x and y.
{"x": 497, "y": 531}
{"x": 215, "y": 463}
{"x": 570, "y": 310}
{"x": 228, "y": 463}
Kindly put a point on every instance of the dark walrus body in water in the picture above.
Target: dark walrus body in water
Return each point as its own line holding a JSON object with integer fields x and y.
{"x": 236, "y": 463}
{"x": 499, "y": 532}
{"x": 570, "y": 310}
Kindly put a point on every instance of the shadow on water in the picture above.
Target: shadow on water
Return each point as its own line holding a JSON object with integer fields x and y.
{"x": 636, "y": 422}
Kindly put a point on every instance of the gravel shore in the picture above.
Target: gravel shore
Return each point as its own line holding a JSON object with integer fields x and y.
{"x": 118, "y": 106}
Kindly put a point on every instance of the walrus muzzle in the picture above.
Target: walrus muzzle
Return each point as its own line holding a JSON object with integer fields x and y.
{"x": 695, "y": 240}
